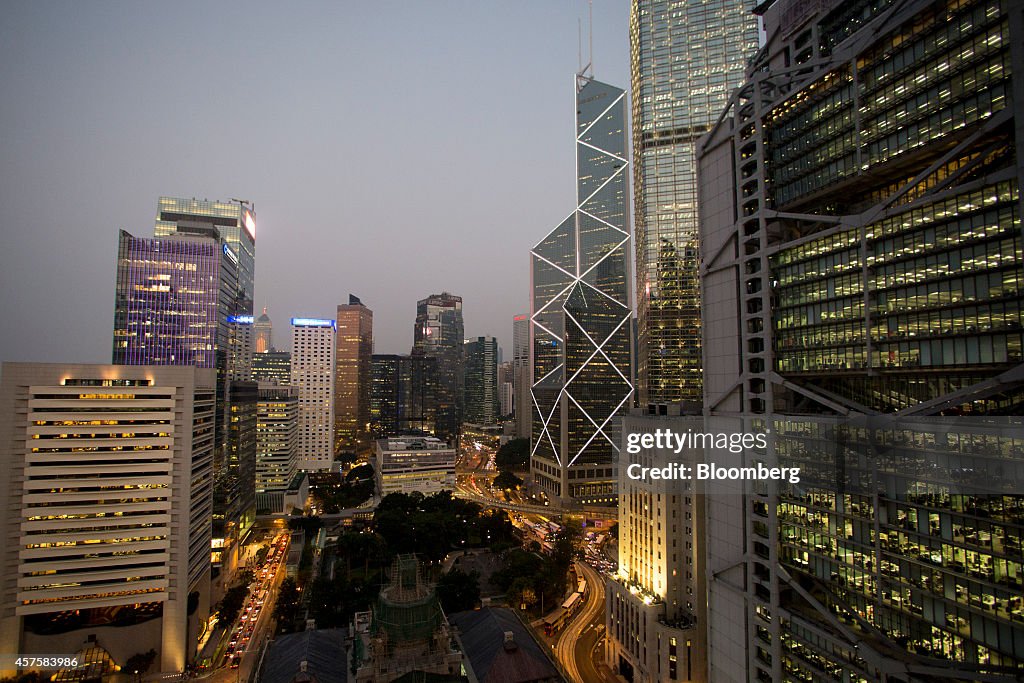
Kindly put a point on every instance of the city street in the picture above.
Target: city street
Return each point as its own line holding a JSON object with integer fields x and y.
{"x": 252, "y": 628}
{"x": 575, "y": 647}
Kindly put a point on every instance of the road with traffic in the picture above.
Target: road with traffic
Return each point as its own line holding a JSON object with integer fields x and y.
{"x": 576, "y": 645}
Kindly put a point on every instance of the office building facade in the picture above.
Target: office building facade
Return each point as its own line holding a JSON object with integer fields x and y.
{"x": 860, "y": 225}
{"x": 686, "y": 60}
{"x": 277, "y": 437}
{"x": 656, "y": 613}
{"x": 234, "y": 488}
{"x": 239, "y": 348}
{"x": 403, "y": 395}
{"x": 172, "y": 301}
{"x": 522, "y": 403}
{"x": 352, "y": 381}
{"x": 234, "y": 222}
{"x": 263, "y": 333}
{"x": 481, "y": 383}
{"x": 506, "y": 389}
{"x": 272, "y": 366}
{"x": 414, "y": 463}
{"x": 581, "y": 316}
{"x": 439, "y": 333}
{"x": 313, "y": 348}
{"x": 107, "y": 474}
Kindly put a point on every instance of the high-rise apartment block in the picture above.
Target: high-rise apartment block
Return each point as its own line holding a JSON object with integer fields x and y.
{"x": 860, "y": 214}
{"x": 687, "y": 58}
{"x": 106, "y": 476}
{"x": 656, "y": 608}
{"x": 403, "y": 395}
{"x": 581, "y": 316}
{"x": 481, "y": 383}
{"x": 352, "y": 381}
{"x": 439, "y": 334}
{"x": 313, "y": 349}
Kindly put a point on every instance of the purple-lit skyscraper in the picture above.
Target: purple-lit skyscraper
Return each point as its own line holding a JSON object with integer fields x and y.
{"x": 174, "y": 295}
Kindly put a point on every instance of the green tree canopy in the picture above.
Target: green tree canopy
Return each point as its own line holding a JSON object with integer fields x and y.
{"x": 458, "y": 591}
{"x": 507, "y": 480}
{"x": 513, "y": 455}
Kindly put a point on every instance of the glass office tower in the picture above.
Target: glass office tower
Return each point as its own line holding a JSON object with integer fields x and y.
{"x": 234, "y": 221}
{"x": 862, "y": 278}
{"x": 687, "y": 57}
{"x": 439, "y": 333}
{"x": 403, "y": 395}
{"x": 172, "y": 302}
{"x": 581, "y": 315}
{"x": 482, "y": 406}
{"x": 352, "y": 378}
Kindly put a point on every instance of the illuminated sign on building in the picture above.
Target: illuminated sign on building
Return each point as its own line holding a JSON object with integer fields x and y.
{"x": 230, "y": 254}
{"x": 312, "y": 322}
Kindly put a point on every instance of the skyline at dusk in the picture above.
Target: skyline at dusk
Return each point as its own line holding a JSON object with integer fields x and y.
{"x": 430, "y": 142}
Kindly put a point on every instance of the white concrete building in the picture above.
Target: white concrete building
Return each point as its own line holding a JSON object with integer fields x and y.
{"x": 105, "y": 483}
{"x": 655, "y": 606}
{"x": 414, "y": 463}
{"x": 313, "y": 356}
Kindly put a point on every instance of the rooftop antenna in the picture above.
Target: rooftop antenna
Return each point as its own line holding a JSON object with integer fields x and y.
{"x": 582, "y": 77}
{"x": 579, "y": 44}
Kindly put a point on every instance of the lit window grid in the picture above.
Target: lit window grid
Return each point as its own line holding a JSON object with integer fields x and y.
{"x": 686, "y": 61}
{"x": 152, "y": 273}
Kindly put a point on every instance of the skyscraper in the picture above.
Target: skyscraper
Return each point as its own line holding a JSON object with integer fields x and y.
{"x": 263, "y": 333}
{"x": 687, "y": 57}
{"x": 272, "y": 366}
{"x": 234, "y": 221}
{"x": 522, "y": 403}
{"x": 277, "y": 437}
{"x": 506, "y": 388}
{"x": 403, "y": 395}
{"x": 173, "y": 299}
{"x": 481, "y": 382}
{"x": 352, "y": 382}
{"x": 861, "y": 226}
{"x": 581, "y": 313}
{"x": 656, "y": 612}
{"x": 184, "y": 297}
{"x": 439, "y": 334}
{"x": 313, "y": 375}
{"x": 239, "y": 347}
{"x": 105, "y": 482}
{"x": 234, "y": 487}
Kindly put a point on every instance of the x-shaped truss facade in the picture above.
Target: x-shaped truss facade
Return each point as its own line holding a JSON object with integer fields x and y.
{"x": 581, "y": 318}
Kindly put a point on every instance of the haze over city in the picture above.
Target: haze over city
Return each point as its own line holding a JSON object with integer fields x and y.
{"x": 392, "y": 150}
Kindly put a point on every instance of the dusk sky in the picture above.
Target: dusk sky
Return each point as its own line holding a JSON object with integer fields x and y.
{"x": 392, "y": 150}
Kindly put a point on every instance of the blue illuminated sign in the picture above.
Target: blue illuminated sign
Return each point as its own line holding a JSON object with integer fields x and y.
{"x": 312, "y": 322}
{"x": 244, "y": 319}
{"x": 230, "y": 254}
